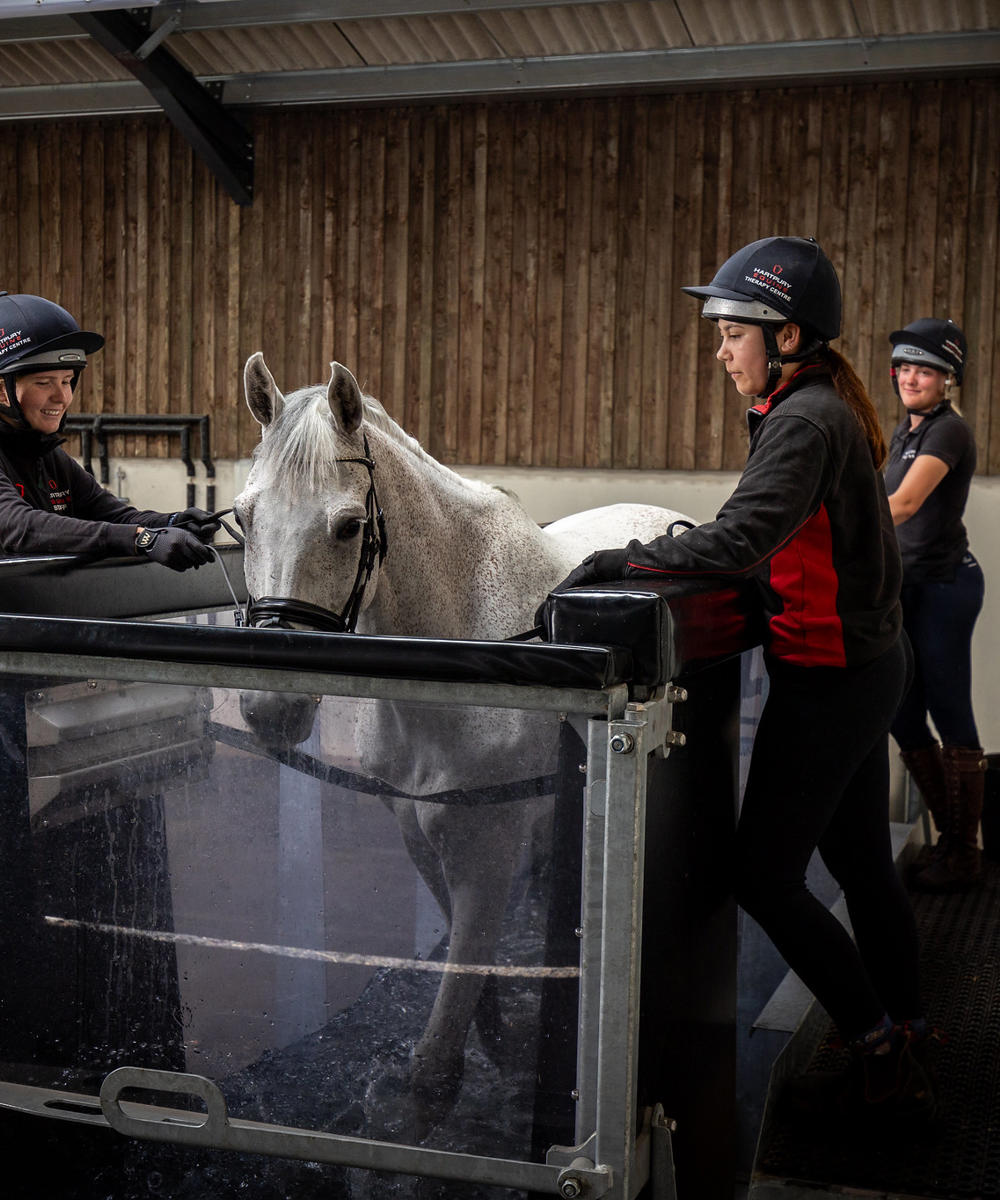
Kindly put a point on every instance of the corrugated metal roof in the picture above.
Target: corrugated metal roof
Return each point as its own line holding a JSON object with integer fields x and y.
{"x": 79, "y": 60}
{"x": 230, "y": 38}
{"x": 401, "y": 40}
{"x": 238, "y": 51}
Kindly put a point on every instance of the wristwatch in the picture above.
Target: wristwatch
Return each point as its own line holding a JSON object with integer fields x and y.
{"x": 145, "y": 539}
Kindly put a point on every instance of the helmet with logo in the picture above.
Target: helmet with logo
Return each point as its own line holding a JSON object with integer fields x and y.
{"x": 929, "y": 342}
{"x": 771, "y": 282}
{"x": 37, "y": 335}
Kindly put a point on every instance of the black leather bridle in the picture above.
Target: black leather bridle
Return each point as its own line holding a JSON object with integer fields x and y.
{"x": 279, "y": 612}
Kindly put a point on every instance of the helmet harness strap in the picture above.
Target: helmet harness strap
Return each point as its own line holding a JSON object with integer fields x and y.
{"x": 776, "y": 360}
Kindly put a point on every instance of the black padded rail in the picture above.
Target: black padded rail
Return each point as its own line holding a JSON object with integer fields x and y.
{"x": 670, "y": 628}
{"x": 453, "y": 661}
{"x": 594, "y": 637}
{"x": 64, "y": 585}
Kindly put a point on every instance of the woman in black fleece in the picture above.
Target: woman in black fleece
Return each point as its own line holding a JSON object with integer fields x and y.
{"x": 48, "y": 503}
{"x": 809, "y": 523}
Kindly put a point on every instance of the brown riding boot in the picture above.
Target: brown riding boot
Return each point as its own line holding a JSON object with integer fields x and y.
{"x": 958, "y": 869}
{"x": 926, "y": 767}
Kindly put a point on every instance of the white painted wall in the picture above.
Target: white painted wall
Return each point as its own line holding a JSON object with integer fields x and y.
{"x": 548, "y": 494}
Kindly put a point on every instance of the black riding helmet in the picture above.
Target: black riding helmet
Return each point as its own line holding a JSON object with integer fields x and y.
{"x": 37, "y": 335}
{"x": 929, "y": 342}
{"x": 773, "y": 281}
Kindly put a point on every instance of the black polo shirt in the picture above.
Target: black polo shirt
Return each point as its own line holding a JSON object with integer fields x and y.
{"x": 933, "y": 541}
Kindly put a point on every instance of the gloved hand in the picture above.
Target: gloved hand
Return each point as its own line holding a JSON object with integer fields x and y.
{"x": 195, "y": 520}
{"x": 599, "y": 567}
{"x": 174, "y": 548}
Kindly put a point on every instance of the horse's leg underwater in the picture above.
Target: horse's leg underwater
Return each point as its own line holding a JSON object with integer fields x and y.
{"x": 479, "y": 848}
{"x": 422, "y": 854}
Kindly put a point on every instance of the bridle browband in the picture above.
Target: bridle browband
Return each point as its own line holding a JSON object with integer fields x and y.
{"x": 278, "y": 612}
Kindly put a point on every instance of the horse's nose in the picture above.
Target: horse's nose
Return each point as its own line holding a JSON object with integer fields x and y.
{"x": 279, "y": 720}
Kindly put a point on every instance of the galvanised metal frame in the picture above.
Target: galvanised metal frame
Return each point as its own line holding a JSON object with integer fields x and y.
{"x": 608, "y": 1160}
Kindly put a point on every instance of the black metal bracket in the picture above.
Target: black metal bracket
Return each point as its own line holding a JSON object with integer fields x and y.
{"x": 221, "y": 140}
{"x": 100, "y": 426}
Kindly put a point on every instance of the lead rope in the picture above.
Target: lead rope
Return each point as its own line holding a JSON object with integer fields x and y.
{"x": 239, "y": 615}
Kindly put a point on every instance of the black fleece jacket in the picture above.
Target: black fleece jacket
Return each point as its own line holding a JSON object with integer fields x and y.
{"x": 810, "y": 522}
{"x": 50, "y": 505}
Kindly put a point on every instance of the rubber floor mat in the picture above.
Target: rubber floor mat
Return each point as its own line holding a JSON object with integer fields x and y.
{"x": 958, "y": 1158}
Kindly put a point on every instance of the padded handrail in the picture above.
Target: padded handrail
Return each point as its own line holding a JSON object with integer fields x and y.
{"x": 458, "y": 661}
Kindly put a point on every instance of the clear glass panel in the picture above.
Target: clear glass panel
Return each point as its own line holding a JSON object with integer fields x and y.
{"x": 172, "y": 896}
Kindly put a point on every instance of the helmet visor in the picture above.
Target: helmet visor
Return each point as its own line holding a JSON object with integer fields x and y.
{"x": 69, "y": 358}
{"x": 754, "y": 312}
{"x": 920, "y": 357}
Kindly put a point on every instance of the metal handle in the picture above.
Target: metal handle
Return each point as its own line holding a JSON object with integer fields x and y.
{"x": 200, "y": 1128}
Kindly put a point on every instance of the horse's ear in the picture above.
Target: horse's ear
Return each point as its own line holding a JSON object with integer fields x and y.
{"x": 344, "y": 396}
{"x": 263, "y": 398}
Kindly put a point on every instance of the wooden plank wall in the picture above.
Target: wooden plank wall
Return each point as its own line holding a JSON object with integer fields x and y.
{"x": 505, "y": 276}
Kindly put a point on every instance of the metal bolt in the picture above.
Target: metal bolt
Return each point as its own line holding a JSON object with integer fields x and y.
{"x": 582, "y": 768}
{"x": 575, "y": 1094}
{"x": 578, "y": 931}
{"x": 571, "y": 1182}
{"x": 622, "y": 743}
{"x": 676, "y": 738}
{"x": 676, "y": 695}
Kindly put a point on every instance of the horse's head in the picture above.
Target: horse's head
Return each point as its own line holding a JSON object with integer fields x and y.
{"x": 309, "y": 510}
{"x": 312, "y": 524}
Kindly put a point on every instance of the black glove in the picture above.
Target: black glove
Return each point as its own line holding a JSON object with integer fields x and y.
{"x": 174, "y": 548}
{"x": 203, "y": 525}
{"x": 599, "y": 567}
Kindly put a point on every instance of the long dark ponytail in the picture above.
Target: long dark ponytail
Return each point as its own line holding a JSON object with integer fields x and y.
{"x": 855, "y": 395}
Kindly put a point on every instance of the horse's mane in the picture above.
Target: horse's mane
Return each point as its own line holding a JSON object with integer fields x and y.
{"x": 304, "y": 442}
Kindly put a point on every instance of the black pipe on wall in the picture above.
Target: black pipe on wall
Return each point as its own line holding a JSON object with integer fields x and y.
{"x": 98, "y": 427}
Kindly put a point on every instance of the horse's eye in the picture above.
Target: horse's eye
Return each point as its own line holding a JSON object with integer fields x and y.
{"x": 349, "y": 529}
{"x": 237, "y": 519}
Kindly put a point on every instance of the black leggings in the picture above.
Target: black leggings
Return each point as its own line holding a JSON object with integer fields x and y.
{"x": 819, "y": 777}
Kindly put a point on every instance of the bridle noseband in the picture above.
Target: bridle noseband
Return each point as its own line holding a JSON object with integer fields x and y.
{"x": 277, "y": 612}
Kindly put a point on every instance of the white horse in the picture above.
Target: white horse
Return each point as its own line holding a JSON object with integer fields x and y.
{"x": 454, "y": 559}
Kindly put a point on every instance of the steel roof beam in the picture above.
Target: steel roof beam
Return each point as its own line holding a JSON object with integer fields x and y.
{"x": 214, "y": 133}
{"x": 24, "y": 22}
{"x": 215, "y": 14}
{"x": 833, "y": 61}
{"x": 731, "y": 66}
{"x": 16, "y": 25}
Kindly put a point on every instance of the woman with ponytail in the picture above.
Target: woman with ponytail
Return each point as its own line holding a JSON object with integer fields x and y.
{"x": 809, "y": 524}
